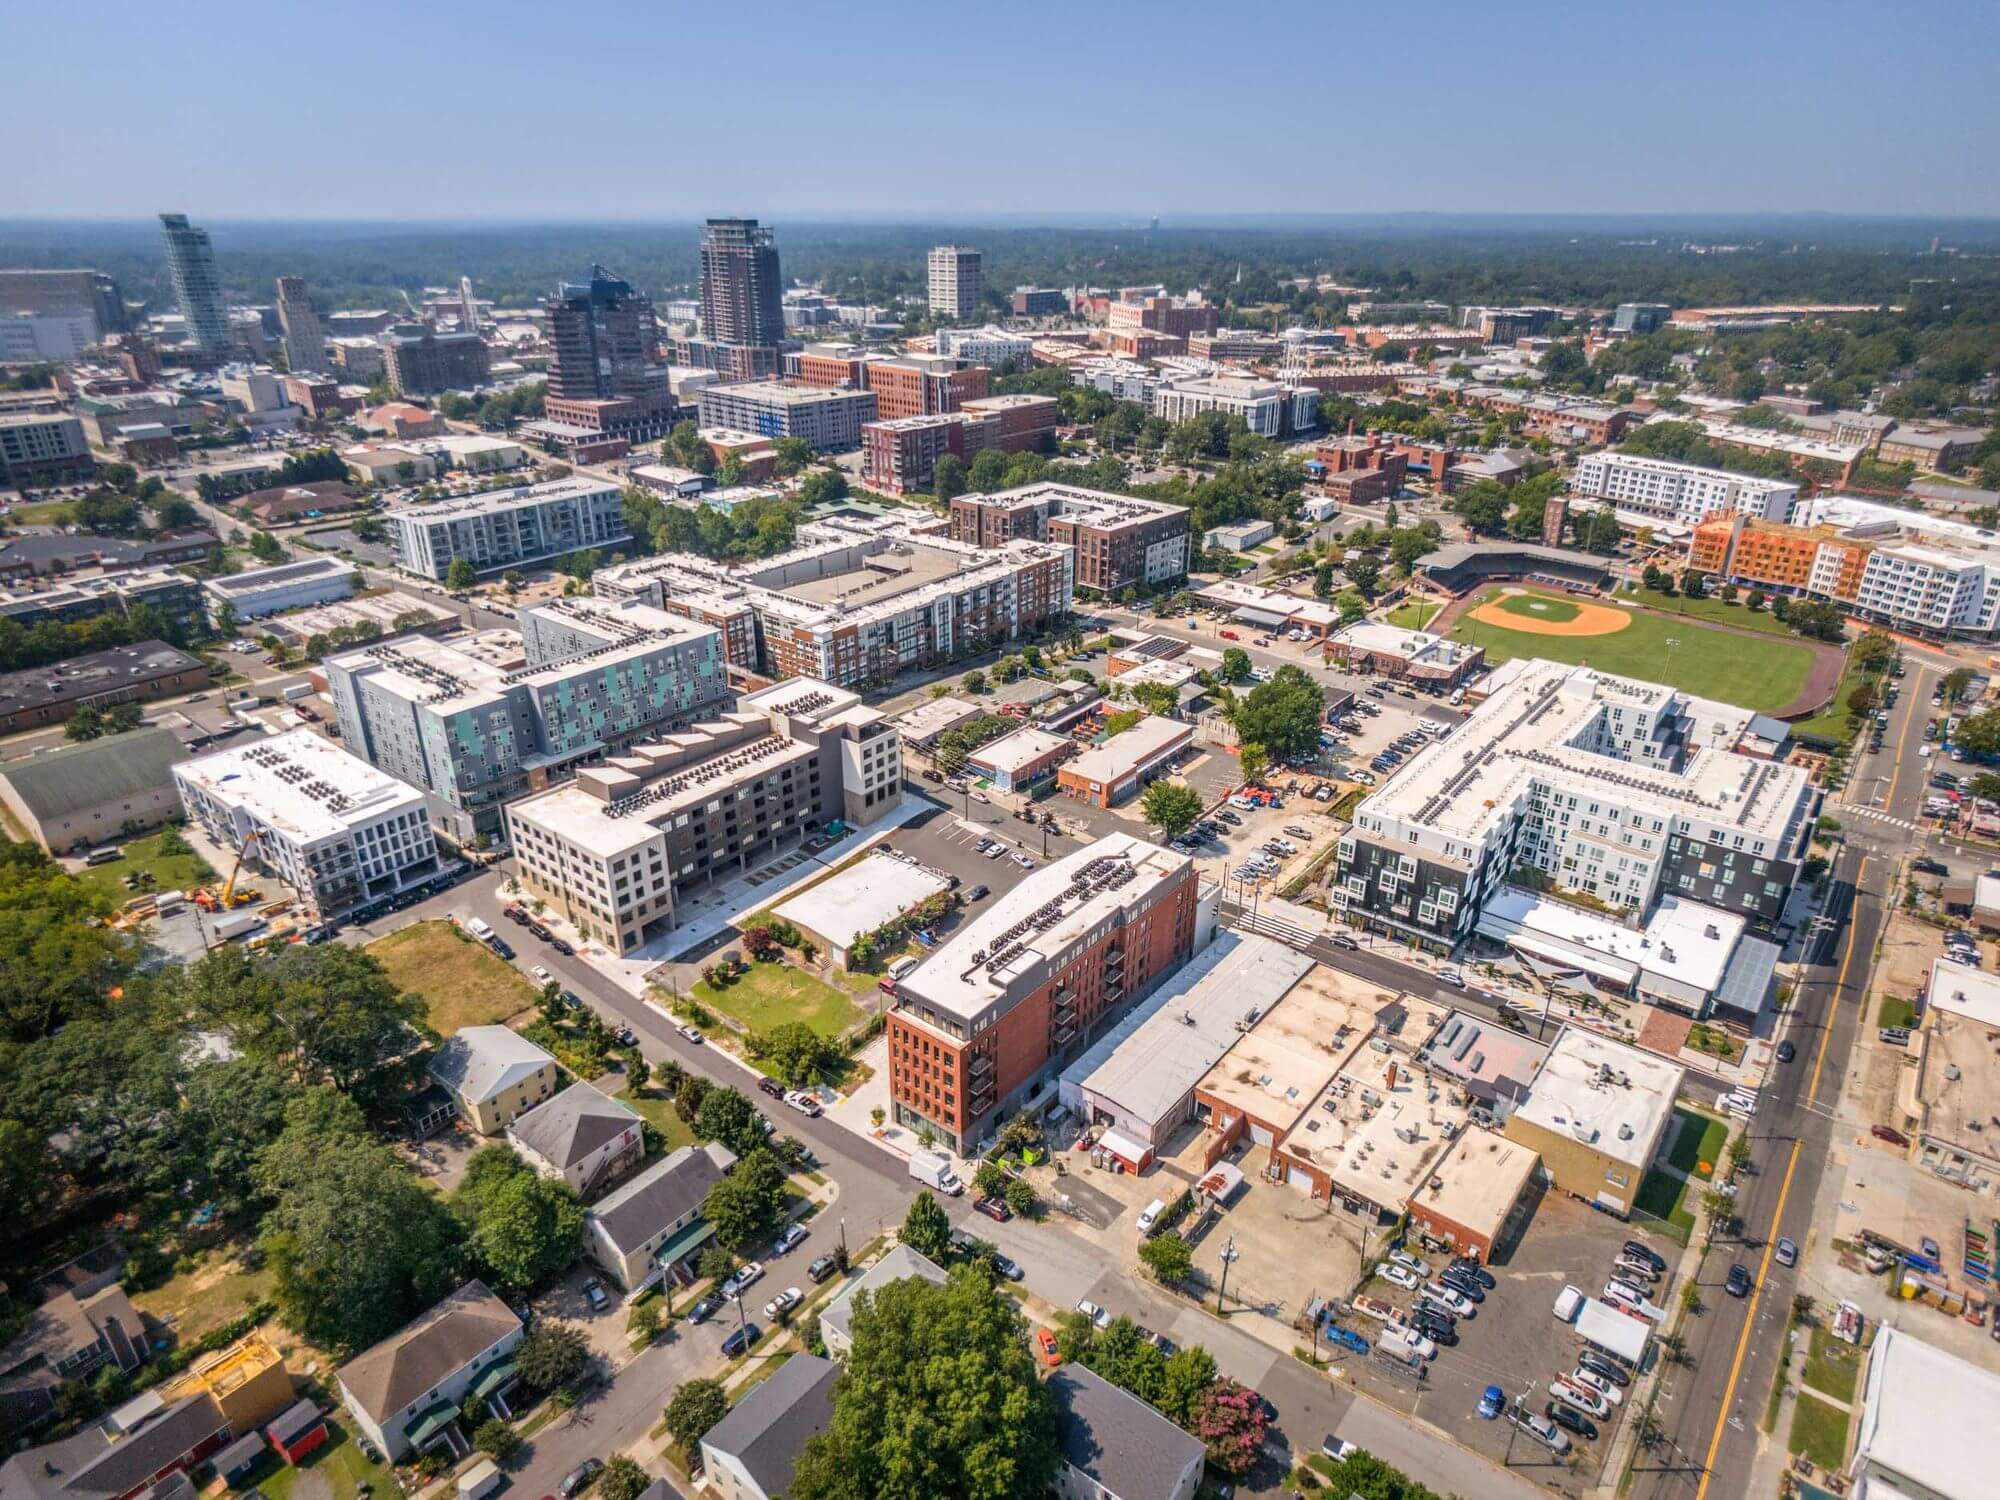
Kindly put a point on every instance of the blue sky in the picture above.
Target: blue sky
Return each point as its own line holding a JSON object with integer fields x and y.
{"x": 913, "y": 109}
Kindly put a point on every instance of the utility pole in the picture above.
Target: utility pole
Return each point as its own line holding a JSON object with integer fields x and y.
{"x": 1229, "y": 1254}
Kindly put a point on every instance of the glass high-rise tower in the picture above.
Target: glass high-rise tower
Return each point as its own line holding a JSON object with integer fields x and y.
{"x": 191, "y": 262}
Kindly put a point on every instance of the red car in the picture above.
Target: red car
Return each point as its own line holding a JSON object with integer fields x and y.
{"x": 1051, "y": 1356}
{"x": 994, "y": 1209}
{"x": 1229, "y": 635}
{"x": 1885, "y": 1133}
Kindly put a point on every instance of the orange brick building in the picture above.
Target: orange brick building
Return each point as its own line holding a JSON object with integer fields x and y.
{"x": 1769, "y": 554}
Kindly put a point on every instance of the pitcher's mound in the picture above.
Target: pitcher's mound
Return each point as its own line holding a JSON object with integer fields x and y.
{"x": 1539, "y": 614}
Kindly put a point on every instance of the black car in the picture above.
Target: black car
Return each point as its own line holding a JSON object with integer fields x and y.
{"x": 571, "y": 998}
{"x": 1643, "y": 1252}
{"x": 1786, "y": 1052}
{"x": 1438, "y": 1332}
{"x": 772, "y": 1087}
{"x": 822, "y": 1268}
{"x": 740, "y": 1341}
{"x": 1738, "y": 1284}
{"x": 515, "y": 914}
{"x": 1929, "y": 866}
{"x": 1464, "y": 1283}
{"x": 1475, "y": 1270}
{"x": 1564, "y": 1415}
{"x": 561, "y": 947}
{"x": 578, "y": 1479}
{"x": 540, "y": 931}
{"x": 1605, "y": 1365}
{"x": 978, "y": 893}
{"x": 705, "y": 1309}
{"x": 500, "y": 946}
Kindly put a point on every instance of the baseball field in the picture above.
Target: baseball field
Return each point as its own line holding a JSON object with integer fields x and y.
{"x": 1768, "y": 673}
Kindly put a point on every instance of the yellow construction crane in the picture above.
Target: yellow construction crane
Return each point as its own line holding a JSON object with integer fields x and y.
{"x": 229, "y": 887}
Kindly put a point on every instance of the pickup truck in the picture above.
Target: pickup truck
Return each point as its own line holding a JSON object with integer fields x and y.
{"x": 1374, "y": 1307}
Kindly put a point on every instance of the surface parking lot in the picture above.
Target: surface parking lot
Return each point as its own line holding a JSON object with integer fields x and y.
{"x": 1515, "y": 1341}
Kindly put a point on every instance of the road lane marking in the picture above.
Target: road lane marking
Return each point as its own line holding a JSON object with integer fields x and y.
{"x": 1839, "y": 984}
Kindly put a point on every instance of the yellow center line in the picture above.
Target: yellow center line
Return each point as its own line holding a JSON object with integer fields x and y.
{"x": 1777, "y": 1217}
{"x": 1896, "y": 779}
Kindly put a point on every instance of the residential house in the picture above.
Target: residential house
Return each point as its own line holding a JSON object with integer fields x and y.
{"x": 405, "y": 1392}
{"x": 653, "y": 1224}
{"x": 749, "y": 1454}
{"x": 495, "y": 1074}
{"x": 581, "y": 1136}
{"x": 1116, "y": 1447}
{"x": 70, "y": 1336}
{"x": 145, "y": 1447}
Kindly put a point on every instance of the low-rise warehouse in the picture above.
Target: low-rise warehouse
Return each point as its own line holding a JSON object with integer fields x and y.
{"x": 1017, "y": 761}
{"x": 1140, "y": 1078}
{"x": 36, "y": 696}
{"x": 1433, "y": 662}
{"x": 866, "y": 895}
{"x": 1597, "y": 1114}
{"x": 292, "y": 585}
{"x": 1108, "y": 773}
{"x": 1958, "y": 1084}
{"x": 1496, "y": 1067}
{"x": 923, "y": 726}
{"x": 1269, "y": 608}
{"x": 1371, "y": 1137}
{"x": 1474, "y": 1194}
{"x": 102, "y": 789}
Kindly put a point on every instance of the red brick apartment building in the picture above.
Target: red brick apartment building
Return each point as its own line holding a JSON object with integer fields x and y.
{"x": 901, "y": 455}
{"x": 1019, "y": 422}
{"x": 1119, "y": 541}
{"x": 917, "y": 386}
{"x": 1032, "y": 981}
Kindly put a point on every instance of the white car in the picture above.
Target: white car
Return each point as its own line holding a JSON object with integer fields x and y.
{"x": 1026, "y": 862}
{"x": 745, "y": 1275}
{"x": 785, "y": 1301}
{"x": 1454, "y": 1302}
{"x": 1404, "y": 1258}
{"x": 1582, "y": 1397}
{"x": 1623, "y": 1294}
{"x": 541, "y": 975}
{"x": 803, "y": 1102}
{"x": 1423, "y": 1348}
{"x": 1597, "y": 1383}
{"x": 1396, "y": 1275}
{"x": 1096, "y": 1314}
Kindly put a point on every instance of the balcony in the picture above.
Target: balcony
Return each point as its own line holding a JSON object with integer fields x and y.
{"x": 982, "y": 1064}
{"x": 1063, "y": 1032}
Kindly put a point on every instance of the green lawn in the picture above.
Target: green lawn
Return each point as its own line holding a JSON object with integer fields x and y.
{"x": 1415, "y": 614}
{"x": 215, "y": 1291}
{"x": 771, "y": 994}
{"x": 1896, "y": 1011}
{"x": 170, "y": 872}
{"x": 1832, "y": 1366}
{"x": 1820, "y": 1432}
{"x": 1739, "y": 615}
{"x": 339, "y": 1462}
{"x": 1540, "y": 607}
{"x": 1766, "y": 675}
{"x": 1699, "y": 1140}
{"x": 658, "y": 1111}
{"x": 463, "y": 982}
{"x": 1663, "y": 1197}
{"x": 43, "y": 513}
{"x": 1833, "y": 723}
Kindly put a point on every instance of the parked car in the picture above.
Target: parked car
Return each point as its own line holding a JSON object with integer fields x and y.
{"x": 578, "y": 1479}
{"x": 772, "y": 1087}
{"x": 1579, "y": 1396}
{"x": 1456, "y": 1303}
{"x": 1640, "y": 1250}
{"x": 1337, "y": 1448}
{"x": 978, "y": 893}
{"x": 693, "y": 1034}
{"x": 1466, "y": 1286}
{"x": 794, "y": 1235}
{"x": 540, "y": 975}
{"x": 822, "y": 1268}
{"x": 1403, "y": 1257}
{"x": 1888, "y": 1133}
{"x": 1342, "y": 940}
{"x": 1639, "y": 1272}
{"x": 500, "y": 946}
{"x": 627, "y": 1037}
{"x": 1397, "y": 1275}
{"x": 1005, "y": 1266}
{"x": 561, "y": 947}
{"x": 1565, "y": 1415}
{"x": 705, "y": 1309}
{"x": 1606, "y": 1366}
{"x": 994, "y": 1209}
{"x": 1623, "y": 1294}
{"x": 804, "y": 1103}
{"x": 743, "y": 1277}
{"x": 740, "y": 1341}
{"x": 1046, "y": 1342}
{"x": 784, "y": 1302}
{"x": 1738, "y": 1282}
{"x": 593, "y": 1293}
{"x": 1590, "y": 1379}
{"x": 1492, "y": 1403}
{"x": 1541, "y": 1429}
{"x": 1096, "y": 1314}
{"x": 1475, "y": 1270}
{"x": 1787, "y": 1252}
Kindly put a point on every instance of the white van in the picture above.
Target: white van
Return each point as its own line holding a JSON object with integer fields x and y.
{"x": 1740, "y": 1102}
{"x": 479, "y": 1481}
{"x": 479, "y": 928}
{"x": 1150, "y": 1215}
{"x": 902, "y": 966}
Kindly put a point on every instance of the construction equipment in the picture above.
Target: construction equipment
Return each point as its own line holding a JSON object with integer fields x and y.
{"x": 229, "y": 896}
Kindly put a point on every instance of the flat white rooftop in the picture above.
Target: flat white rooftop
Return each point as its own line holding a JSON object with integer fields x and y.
{"x": 253, "y": 581}
{"x": 1926, "y": 1421}
{"x": 862, "y": 897}
{"x": 1125, "y": 753}
{"x": 1682, "y": 940}
{"x": 300, "y": 785}
{"x": 1611, "y": 1097}
{"x": 1393, "y": 640}
{"x": 493, "y": 501}
{"x": 1478, "y": 1182}
{"x": 933, "y": 717}
{"x": 1017, "y": 751}
{"x": 1966, "y": 991}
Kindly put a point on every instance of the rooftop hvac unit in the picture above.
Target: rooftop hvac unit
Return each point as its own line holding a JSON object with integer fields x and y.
{"x": 1624, "y": 1132}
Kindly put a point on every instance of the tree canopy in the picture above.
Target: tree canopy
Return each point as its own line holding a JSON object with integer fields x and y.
{"x": 1171, "y": 807}
{"x": 1284, "y": 714}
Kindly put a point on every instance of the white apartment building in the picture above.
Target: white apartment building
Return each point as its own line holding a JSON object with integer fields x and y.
{"x": 1686, "y": 493}
{"x": 509, "y": 528}
{"x": 1120, "y": 379}
{"x": 1265, "y": 406}
{"x": 27, "y": 338}
{"x": 954, "y": 281}
{"x": 988, "y": 346}
{"x": 612, "y": 850}
{"x": 1931, "y": 588}
{"x": 1620, "y": 789}
{"x": 830, "y": 420}
{"x": 327, "y": 823}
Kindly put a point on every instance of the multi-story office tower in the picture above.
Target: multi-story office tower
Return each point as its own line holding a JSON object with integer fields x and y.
{"x": 954, "y": 282}
{"x": 333, "y": 827}
{"x": 605, "y": 373}
{"x": 1119, "y": 541}
{"x": 614, "y": 849}
{"x": 191, "y": 264}
{"x": 859, "y": 600}
{"x": 468, "y": 305}
{"x": 305, "y": 340}
{"x": 65, "y": 293}
{"x": 1033, "y": 980}
{"x": 742, "y": 293}
{"x": 508, "y": 528}
{"x": 1640, "y": 317}
{"x": 1266, "y": 406}
{"x": 599, "y": 675}
{"x": 1039, "y": 301}
{"x": 423, "y": 362}
{"x": 1622, "y": 790}
{"x": 1687, "y": 493}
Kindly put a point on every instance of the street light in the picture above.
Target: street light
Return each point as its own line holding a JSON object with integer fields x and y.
{"x": 1229, "y": 1254}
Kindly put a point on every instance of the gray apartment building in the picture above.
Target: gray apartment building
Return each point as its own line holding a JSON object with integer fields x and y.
{"x": 599, "y": 676}
{"x": 509, "y": 528}
{"x": 43, "y": 448}
{"x": 830, "y": 420}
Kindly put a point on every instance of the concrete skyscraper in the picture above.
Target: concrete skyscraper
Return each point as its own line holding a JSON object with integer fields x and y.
{"x": 954, "y": 282}
{"x": 305, "y": 340}
{"x": 605, "y": 374}
{"x": 742, "y": 294}
{"x": 191, "y": 262}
